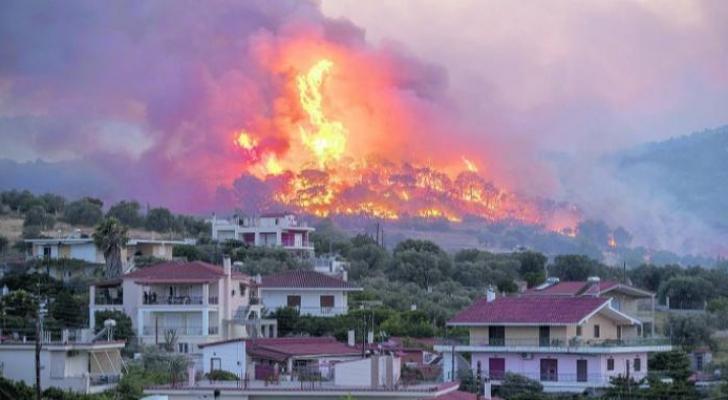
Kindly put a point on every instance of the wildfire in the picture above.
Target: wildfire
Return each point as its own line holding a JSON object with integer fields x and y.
{"x": 245, "y": 141}
{"x": 328, "y": 141}
{"x": 470, "y": 165}
{"x": 325, "y": 170}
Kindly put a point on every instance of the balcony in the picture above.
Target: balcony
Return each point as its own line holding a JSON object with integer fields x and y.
{"x": 573, "y": 345}
{"x": 173, "y": 300}
{"x": 180, "y": 330}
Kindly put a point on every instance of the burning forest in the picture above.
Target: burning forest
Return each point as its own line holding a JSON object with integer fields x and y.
{"x": 325, "y": 168}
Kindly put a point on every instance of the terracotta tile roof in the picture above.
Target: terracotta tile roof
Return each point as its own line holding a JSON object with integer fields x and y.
{"x": 281, "y": 349}
{"x": 187, "y": 272}
{"x": 302, "y": 279}
{"x": 578, "y": 288}
{"x": 529, "y": 310}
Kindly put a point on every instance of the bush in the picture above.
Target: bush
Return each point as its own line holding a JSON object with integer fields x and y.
{"x": 221, "y": 375}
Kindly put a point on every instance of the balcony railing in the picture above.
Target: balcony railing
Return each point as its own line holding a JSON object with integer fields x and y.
{"x": 567, "y": 378}
{"x": 554, "y": 343}
{"x": 173, "y": 300}
{"x": 179, "y": 330}
{"x": 103, "y": 379}
{"x": 320, "y": 310}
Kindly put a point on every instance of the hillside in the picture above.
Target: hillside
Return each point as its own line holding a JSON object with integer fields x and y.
{"x": 692, "y": 170}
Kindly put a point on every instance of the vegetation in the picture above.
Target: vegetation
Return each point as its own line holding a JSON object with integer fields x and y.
{"x": 110, "y": 236}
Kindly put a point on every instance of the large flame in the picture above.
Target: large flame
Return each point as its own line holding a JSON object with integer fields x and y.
{"x": 322, "y": 173}
{"x": 328, "y": 140}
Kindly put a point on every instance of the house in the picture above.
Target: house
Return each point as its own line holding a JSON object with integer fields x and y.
{"x": 568, "y": 343}
{"x": 635, "y": 302}
{"x": 310, "y": 292}
{"x": 197, "y": 301}
{"x": 281, "y": 230}
{"x": 282, "y": 358}
{"x": 78, "y": 364}
{"x": 81, "y": 247}
{"x": 332, "y": 265}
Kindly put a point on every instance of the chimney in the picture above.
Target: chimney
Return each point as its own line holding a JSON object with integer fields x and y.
{"x": 490, "y": 294}
{"x": 227, "y": 266}
{"x": 350, "y": 338}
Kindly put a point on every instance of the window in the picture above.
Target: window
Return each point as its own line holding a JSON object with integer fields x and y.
{"x": 596, "y": 331}
{"x": 610, "y": 364}
{"x": 637, "y": 364}
{"x": 327, "y": 301}
{"x": 496, "y": 336}
{"x": 578, "y": 330}
{"x": 294, "y": 301}
{"x": 183, "y": 348}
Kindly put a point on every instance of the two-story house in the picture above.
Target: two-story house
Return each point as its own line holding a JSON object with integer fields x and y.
{"x": 80, "y": 247}
{"x": 199, "y": 302}
{"x": 568, "y": 343}
{"x": 282, "y": 230}
{"x": 635, "y": 302}
{"x": 310, "y": 292}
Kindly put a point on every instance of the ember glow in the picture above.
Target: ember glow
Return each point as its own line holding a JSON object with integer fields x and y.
{"x": 321, "y": 172}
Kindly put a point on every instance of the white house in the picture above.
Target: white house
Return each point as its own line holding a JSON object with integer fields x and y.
{"x": 199, "y": 302}
{"x": 282, "y": 230}
{"x": 82, "y": 248}
{"x": 310, "y": 292}
{"x": 227, "y": 355}
{"x": 82, "y": 366}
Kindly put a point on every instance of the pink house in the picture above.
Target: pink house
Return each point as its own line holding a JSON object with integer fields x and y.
{"x": 567, "y": 343}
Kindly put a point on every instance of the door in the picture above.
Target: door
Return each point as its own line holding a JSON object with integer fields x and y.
{"x": 496, "y": 368}
{"x": 581, "y": 371}
{"x": 549, "y": 370}
{"x": 544, "y": 335}
{"x": 497, "y": 336}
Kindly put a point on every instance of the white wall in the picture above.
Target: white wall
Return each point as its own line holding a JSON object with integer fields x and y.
{"x": 231, "y": 355}
{"x": 310, "y": 300}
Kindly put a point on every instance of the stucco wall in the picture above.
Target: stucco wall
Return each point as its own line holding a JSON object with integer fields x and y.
{"x": 231, "y": 355}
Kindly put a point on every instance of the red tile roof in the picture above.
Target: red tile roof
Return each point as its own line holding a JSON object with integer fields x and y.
{"x": 281, "y": 349}
{"x": 183, "y": 272}
{"x": 529, "y": 310}
{"x": 578, "y": 288}
{"x": 302, "y": 279}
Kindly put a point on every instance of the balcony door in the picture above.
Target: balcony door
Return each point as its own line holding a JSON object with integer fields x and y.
{"x": 581, "y": 371}
{"x": 496, "y": 336}
{"x": 496, "y": 368}
{"x": 544, "y": 335}
{"x": 549, "y": 370}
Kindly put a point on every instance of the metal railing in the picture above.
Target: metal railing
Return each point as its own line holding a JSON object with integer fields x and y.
{"x": 554, "y": 342}
{"x": 103, "y": 379}
{"x": 558, "y": 377}
{"x": 179, "y": 330}
{"x": 174, "y": 300}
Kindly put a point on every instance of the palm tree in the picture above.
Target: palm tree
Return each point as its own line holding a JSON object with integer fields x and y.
{"x": 110, "y": 236}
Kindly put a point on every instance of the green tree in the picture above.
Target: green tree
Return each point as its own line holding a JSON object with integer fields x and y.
{"x": 110, "y": 236}
{"x": 160, "y": 220}
{"x": 86, "y": 212}
{"x": 686, "y": 292}
{"x": 533, "y": 267}
{"x": 127, "y": 212}
{"x": 516, "y": 386}
{"x": 37, "y": 216}
{"x": 689, "y": 331}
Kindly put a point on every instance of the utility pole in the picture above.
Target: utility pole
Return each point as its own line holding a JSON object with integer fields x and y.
{"x": 38, "y": 341}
